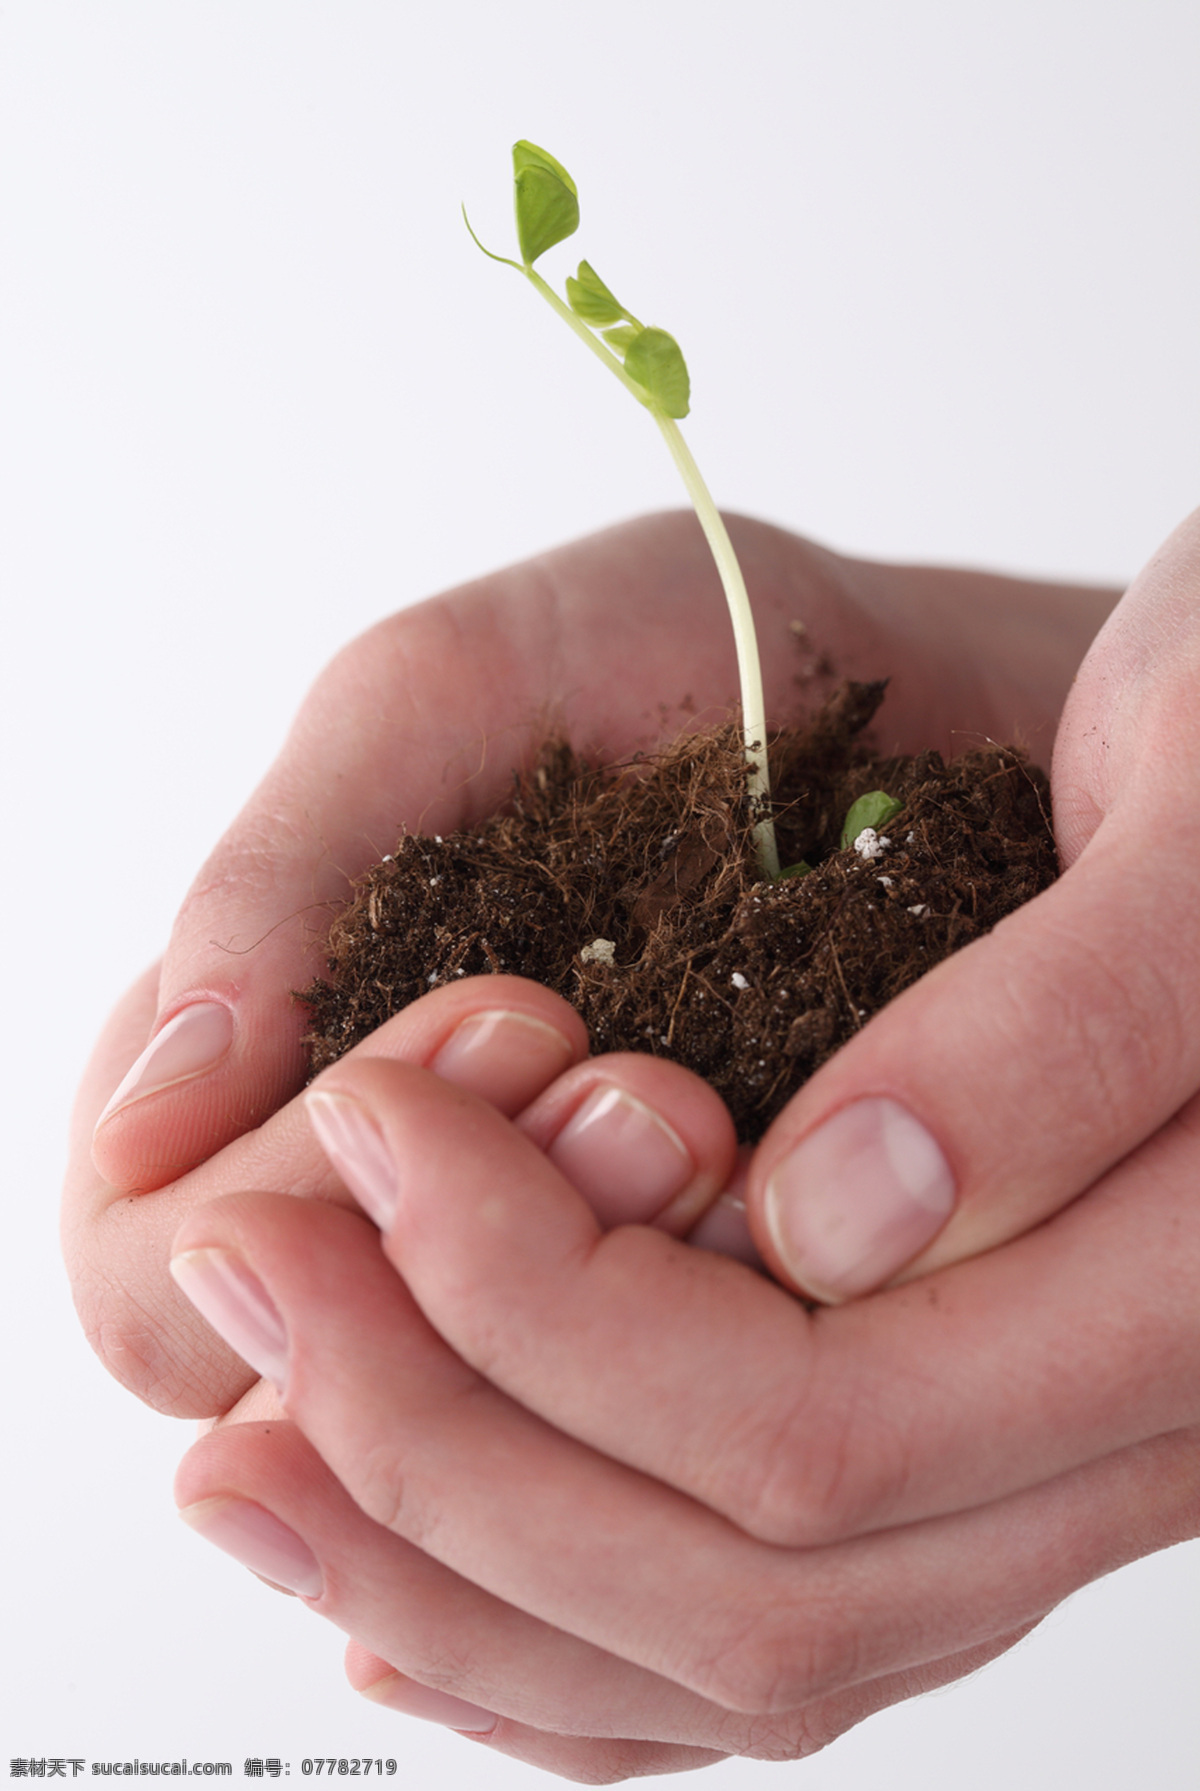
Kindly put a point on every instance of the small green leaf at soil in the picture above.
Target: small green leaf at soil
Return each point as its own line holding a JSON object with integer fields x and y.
{"x": 875, "y": 809}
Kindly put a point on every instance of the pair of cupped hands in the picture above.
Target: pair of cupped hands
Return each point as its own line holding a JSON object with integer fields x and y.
{"x": 576, "y": 1479}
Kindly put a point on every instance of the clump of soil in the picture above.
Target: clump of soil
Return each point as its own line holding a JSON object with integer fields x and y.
{"x": 632, "y": 891}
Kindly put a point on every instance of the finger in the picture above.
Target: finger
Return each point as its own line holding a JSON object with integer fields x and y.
{"x": 116, "y": 1249}
{"x": 1003, "y": 1084}
{"x": 591, "y": 1760}
{"x": 724, "y": 1228}
{"x": 601, "y": 1761}
{"x": 643, "y": 1140}
{"x": 432, "y": 1645}
{"x": 418, "y": 726}
{"x": 589, "y": 1546}
{"x": 264, "y": 1495}
{"x": 504, "y": 1038}
{"x": 921, "y": 1401}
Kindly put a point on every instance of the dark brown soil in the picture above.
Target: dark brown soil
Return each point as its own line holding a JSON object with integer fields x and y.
{"x": 751, "y": 984}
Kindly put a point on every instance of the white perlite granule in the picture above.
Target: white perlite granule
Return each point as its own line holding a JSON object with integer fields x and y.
{"x": 870, "y": 844}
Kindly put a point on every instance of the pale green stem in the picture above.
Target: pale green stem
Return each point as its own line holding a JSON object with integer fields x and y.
{"x": 582, "y": 331}
{"x": 754, "y": 720}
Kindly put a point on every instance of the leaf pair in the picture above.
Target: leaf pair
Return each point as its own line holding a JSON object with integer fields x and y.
{"x": 547, "y": 206}
{"x": 651, "y": 356}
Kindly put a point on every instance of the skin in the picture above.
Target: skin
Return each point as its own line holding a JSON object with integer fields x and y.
{"x": 903, "y": 1467}
{"x": 751, "y": 1524}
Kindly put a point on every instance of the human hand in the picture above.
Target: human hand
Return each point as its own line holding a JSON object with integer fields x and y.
{"x": 621, "y": 1506}
{"x": 1102, "y": 1292}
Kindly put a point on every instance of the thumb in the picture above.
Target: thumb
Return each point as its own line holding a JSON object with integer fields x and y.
{"x": 988, "y": 1095}
{"x": 1004, "y": 1083}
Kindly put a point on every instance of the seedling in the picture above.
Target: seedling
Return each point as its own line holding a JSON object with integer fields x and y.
{"x": 873, "y": 810}
{"x": 863, "y": 820}
{"x": 650, "y": 365}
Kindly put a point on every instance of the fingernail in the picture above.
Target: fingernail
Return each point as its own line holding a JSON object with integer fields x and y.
{"x": 237, "y": 1306}
{"x": 503, "y": 1056}
{"x": 624, "y": 1159}
{"x": 398, "y": 1692}
{"x": 358, "y": 1151}
{"x": 725, "y": 1231}
{"x": 192, "y": 1041}
{"x": 257, "y": 1539}
{"x": 857, "y": 1199}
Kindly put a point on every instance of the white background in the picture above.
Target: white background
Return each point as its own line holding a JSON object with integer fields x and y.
{"x": 935, "y": 269}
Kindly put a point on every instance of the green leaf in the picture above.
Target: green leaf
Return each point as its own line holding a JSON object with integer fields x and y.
{"x": 528, "y": 155}
{"x": 875, "y": 809}
{"x": 801, "y": 869}
{"x": 590, "y": 298}
{"x": 622, "y": 336}
{"x": 546, "y": 201}
{"x": 656, "y": 361}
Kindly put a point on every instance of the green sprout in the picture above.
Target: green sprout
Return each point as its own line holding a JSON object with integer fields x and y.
{"x": 875, "y": 809}
{"x": 650, "y": 365}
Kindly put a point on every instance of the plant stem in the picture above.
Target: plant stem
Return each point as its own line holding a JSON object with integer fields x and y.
{"x": 583, "y": 332}
{"x": 754, "y": 720}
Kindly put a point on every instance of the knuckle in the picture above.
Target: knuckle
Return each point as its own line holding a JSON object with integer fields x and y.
{"x": 130, "y": 1353}
{"x": 247, "y": 862}
{"x": 767, "y": 1738}
{"x": 169, "y": 1375}
{"x": 380, "y": 1487}
{"x": 830, "y": 1465}
{"x": 777, "y": 1497}
{"x": 437, "y": 1663}
{"x": 487, "y": 1338}
{"x": 775, "y": 1660}
{"x": 146, "y": 1334}
{"x": 391, "y": 1475}
{"x": 607, "y": 1762}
